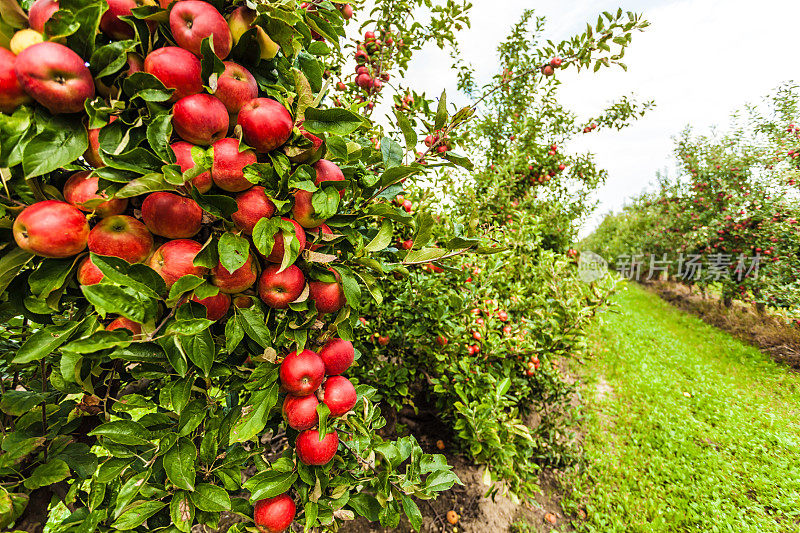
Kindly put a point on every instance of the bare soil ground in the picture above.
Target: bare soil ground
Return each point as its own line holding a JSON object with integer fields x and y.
{"x": 770, "y": 334}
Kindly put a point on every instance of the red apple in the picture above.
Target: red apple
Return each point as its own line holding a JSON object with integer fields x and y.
{"x": 328, "y": 171}
{"x": 338, "y": 355}
{"x": 328, "y": 297}
{"x": 276, "y": 255}
{"x": 125, "y": 323}
{"x": 191, "y": 21}
{"x": 322, "y": 230}
{"x": 239, "y": 280}
{"x": 279, "y": 289}
{"x": 51, "y": 229}
{"x": 174, "y": 259}
{"x": 200, "y": 118}
{"x": 347, "y": 11}
{"x": 235, "y": 87}
{"x": 311, "y": 451}
{"x": 88, "y": 273}
{"x": 81, "y": 188}
{"x": 183, "y": 157}
{"x": 339, "y": 395}
{"x": 303, "y": 210}
{"x": 266, "y": 124}
{"x": 274, "y": 515}
{"x": 121, "y": 236}
{"x": 110, "y": 22}
{"x": 177, "y": 69}
{"x": 302, "y": 373}
{"x": 55, "y": 76}
{"x": 40, "y": 12}
{"x": 216, "y": 306}
{"x": 92, "y": 154}
{"x": 253, "y": 204}
{"x": 228, "y": 168}
{"x": 171, "y": 216}
{"x": 11, "y": 93}
{"x": 300, "y": 412}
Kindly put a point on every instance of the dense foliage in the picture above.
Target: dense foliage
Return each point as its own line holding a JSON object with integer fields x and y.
{"x": 729, "y": 219}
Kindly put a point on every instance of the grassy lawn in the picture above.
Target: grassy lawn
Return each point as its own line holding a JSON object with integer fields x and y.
{"x": 687, "y": 428}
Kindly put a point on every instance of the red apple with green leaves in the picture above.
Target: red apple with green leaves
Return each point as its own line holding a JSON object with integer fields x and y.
{"x": 11, "y": 93}
{"x": 121, "y": 236}
{"x": 125, "y": 323}
{"x": 328, "y": 296}
{"x": 266, "y": 124}
{"x": 276, "y": 255}
{"x": 338, "y": 355}
{"x": 300, "y": 412}
{"x": 319, "y": 234}
{"x": 279, "y": 289}
{"x": 303, "y": 210}
{"x": 92, "y": 154}
{"x": 216, "y": 306}
{"x": 112, "y": 25}
{"x": 254, "y": 204}
{"x": 183, "y": 158}
{"x": 55, "y": 76}
{"x": 175, "y": 259}
{"x": 177, "y": 69}
{"x": 81, "y": 190}
{"x": 339, "y": 395}
{"x": 239, "y": 280}
{"x": 191, "y": 21}
{"x": 302, "y": 373}
{"x": 229, "y": 162}
{"x": 235, "y": 87}
{"x": 200, "y": 118}
{"x": 51, "y": 229}
{"x": 88, "y": 273}
{"x": 40, "y": 12}
{"x": 313, "y": 452}
{"x": 171, "y": 216}
{"x": 274, "y": 515}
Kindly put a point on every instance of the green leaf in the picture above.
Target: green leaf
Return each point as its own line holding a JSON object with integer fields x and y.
{"x": 17, "y": 403}
{"x": 441, "y": 112}
{"x": 45, "y": 341}
{"x": 139, "y": 277}
{"x": 254, "y": 325}
{"x": 10, "y": 265}
{"x": 459, "y": 160}
{"x": 382, "y": 239}
{"x": 254, "y": 415}
{"x": 199, "y": 349}
{"x": 49, "y": 473}
{"x": 110, "y": 59}
{"x": 99, "y": 340}
{"x": 412, "y": 511}
{"x": 269, "y": 484}
{"x": 352, "y": 291}
{"x": 211, "y": 498}
{"x": 61, "y": 142}
{"x": 49, "y": 276}
{"x": 233, "y": 251}
{"x": 159, "y": 132}
{"x": 365, "y": 505}
{"x": 408, "y": 131}
{"x": 135, "y": 515}
{"x": 234, "y": 333}
{"x": 191, "y": 417}
{"x": 181, "y": 393}
{"x": 392, "y": 153}
{"x": 179, "y": 464}
{"x": 111, "y": 299}
{"x": 181, "y": 510}
{"x": 143, "y": 185}
{"x": 122, "y": 432}
{"x": 425, "y": 255}
{"x": 423, "y": 232}
{"x": 184, "y": 284}
{"x": 333, "y": 120}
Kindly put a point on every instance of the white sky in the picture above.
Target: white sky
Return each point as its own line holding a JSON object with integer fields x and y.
{"x": 699, "y": 60}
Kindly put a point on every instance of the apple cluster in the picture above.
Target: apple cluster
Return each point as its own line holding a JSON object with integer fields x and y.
{"x": 439, "y": 141}
{"x": 370, "y": 73}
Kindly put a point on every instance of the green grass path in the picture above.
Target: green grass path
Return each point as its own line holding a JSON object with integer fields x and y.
{"x": 687, "y": 428}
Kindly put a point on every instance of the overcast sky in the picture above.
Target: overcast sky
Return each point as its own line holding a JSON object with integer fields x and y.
{"x": 699, "y": 60}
